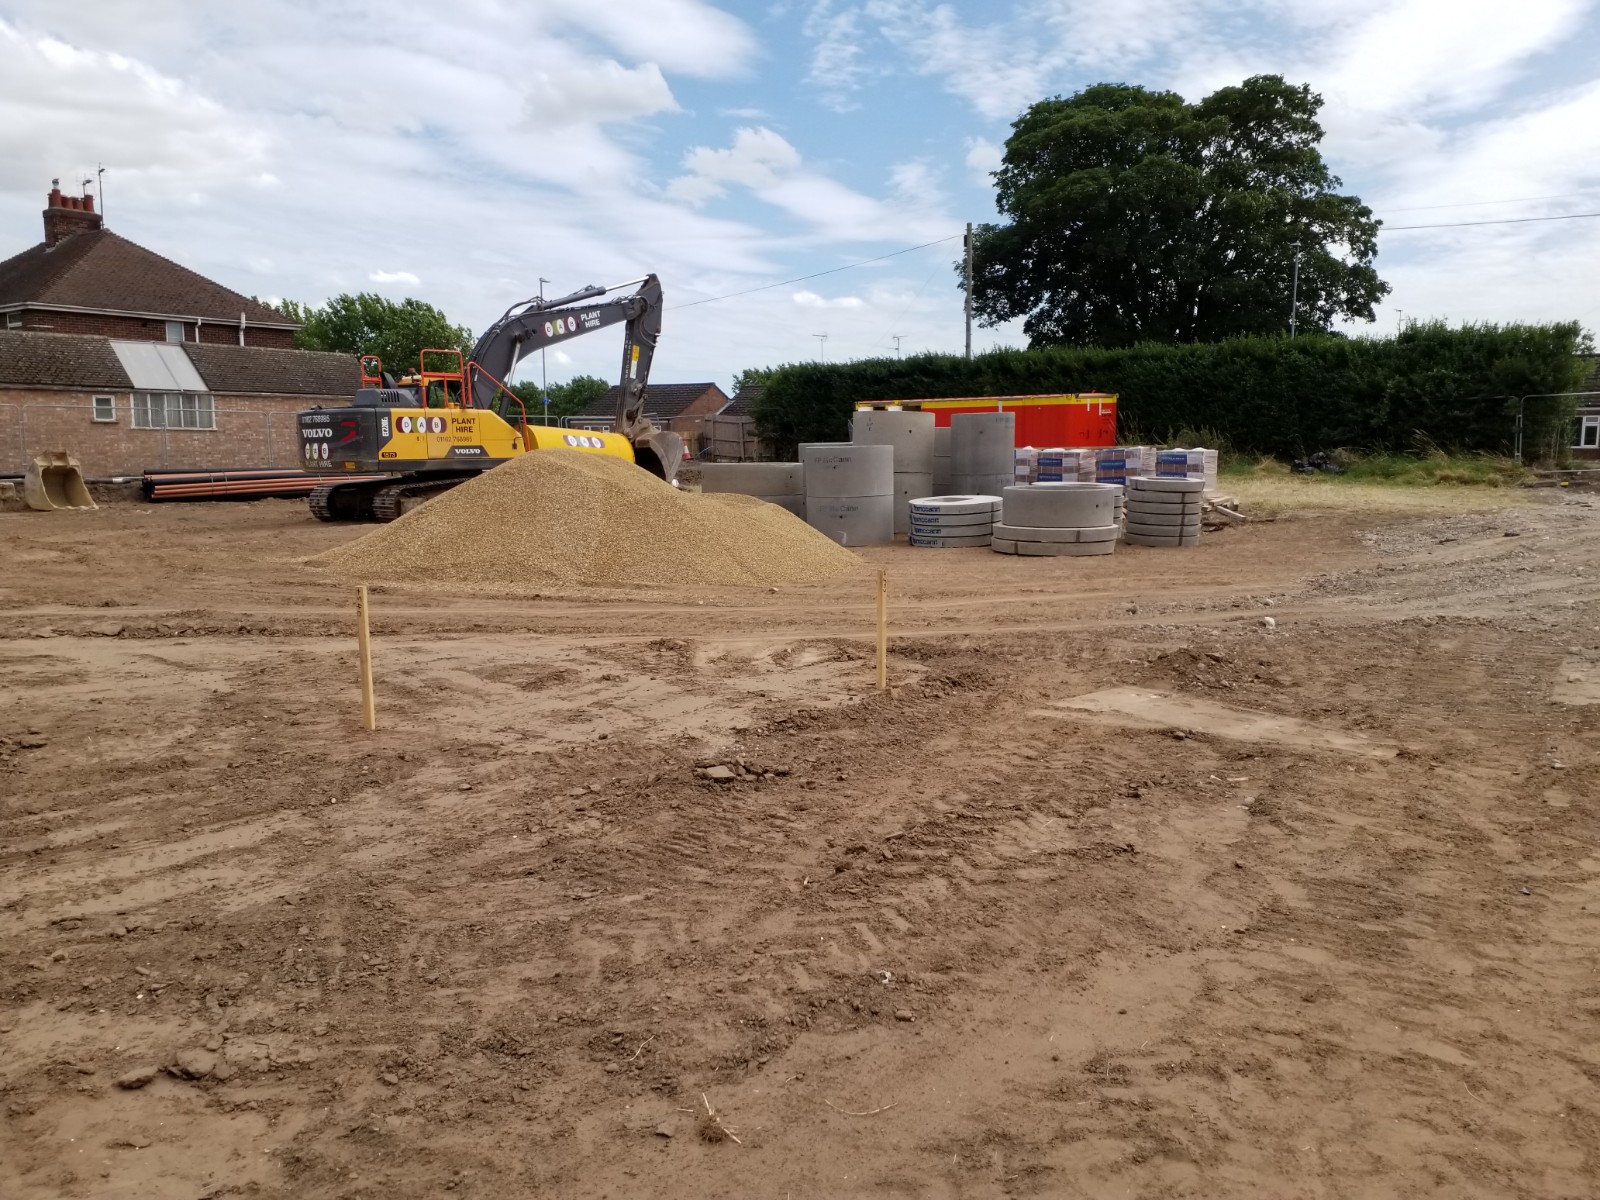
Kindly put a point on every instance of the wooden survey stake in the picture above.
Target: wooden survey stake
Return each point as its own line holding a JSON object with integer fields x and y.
{"x": 369, "y": 715}
{"x": 883, "y": 629}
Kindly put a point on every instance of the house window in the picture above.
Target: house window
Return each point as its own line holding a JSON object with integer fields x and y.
{"x": 105, "y": 408}
{"x": 174, "y": 331}
{"x": 173, "y": 410}
{"x": 1589, "y": 433}
{"x": 13, "y": 320}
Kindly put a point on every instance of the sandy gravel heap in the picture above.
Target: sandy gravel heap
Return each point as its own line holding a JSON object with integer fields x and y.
{"x": 565, "y": 517}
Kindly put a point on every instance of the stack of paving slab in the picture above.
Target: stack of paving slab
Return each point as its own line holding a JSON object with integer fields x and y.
{"x": 1058, "y": 519}
{"x": 1198, "y": 463}
{"x": 1027, "y": 468}
{"x": 1163, "y": 511}
{"x": 783, "y": 484}
{"x": 983, "y": 448}
{"x": 953, "y": 522}
{"x": 850, "y": 491}
{"x": 910, "y": 435}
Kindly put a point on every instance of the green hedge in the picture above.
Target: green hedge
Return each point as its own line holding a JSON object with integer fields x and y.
{"x": 1455, "y": 388}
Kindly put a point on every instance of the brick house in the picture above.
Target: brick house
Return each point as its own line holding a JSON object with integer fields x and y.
{"x": 128, "y": 360}
{"x": 85, "y": 279}
{"x": 121, "y": 406}
{"x": 679, "y": 407}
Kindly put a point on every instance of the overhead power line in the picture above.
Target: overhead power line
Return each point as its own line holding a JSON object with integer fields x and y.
{"x": 1501, "y": 221}
{"x": 819, "y": 274}
{"x": 1490, "y": 203}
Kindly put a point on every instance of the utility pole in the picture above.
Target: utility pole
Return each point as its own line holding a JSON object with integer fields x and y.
{"x": 544, "y": 378}
{"x": 100, "y": 176}
{"x": 896, "y": 338}
{"x": 1294, "y": 291}
{"x": 822, "y": 342}
{"x": 1401, "y": 328}
{"x": 968, "y": 243}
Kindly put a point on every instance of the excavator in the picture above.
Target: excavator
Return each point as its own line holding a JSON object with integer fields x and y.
{"x": 455, "y": 418}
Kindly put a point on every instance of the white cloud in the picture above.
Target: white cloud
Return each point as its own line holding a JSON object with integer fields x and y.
{"x": 766, "y": 164}
{"x": 983, "y": 158}
{"x": 65, "y": 109}
{"x": 837, "y": 69}
{"x": 757, "y": 157}
{"x": 685, "y": 36}
{"x": 998, "y": 71}
{"x": 583, "y": 93}
{"x": 812, "y": 300}
{"x": 405, "y": 277}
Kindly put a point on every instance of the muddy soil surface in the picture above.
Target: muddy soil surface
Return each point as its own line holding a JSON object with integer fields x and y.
{"x": 1266, "y": 869}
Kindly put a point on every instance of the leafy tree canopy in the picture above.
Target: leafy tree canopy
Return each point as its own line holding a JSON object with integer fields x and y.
{"x": 371, "y": 324}
{"x": 566, "y": 399}
{"x": 1136, "y": 216}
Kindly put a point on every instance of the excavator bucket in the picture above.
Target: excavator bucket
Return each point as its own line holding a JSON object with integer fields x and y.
{"x": 658, "y": 451}
{"x": 55, "y": 480}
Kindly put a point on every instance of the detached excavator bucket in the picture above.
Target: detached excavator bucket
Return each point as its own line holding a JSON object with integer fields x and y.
{"x": 55, "y": 480}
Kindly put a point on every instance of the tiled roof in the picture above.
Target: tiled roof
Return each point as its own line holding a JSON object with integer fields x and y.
{"x": 102, "y": 272}
{"x": 29, "y": 359}
{"x": 246, "y": 370}
{"x": 664, "y": 400}
{"x": 59, "y": 360}
{"x": 741, "y": 404}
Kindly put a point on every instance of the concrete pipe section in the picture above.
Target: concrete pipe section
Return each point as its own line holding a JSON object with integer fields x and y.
{"x": 1060, "y": 505}
{"x": 850, "y": 491}
{"x": 783, "y": 484}
{"x": 910, "y": 433}
{"x": 983, "y": 444}
{"x": 1163, "y": 512}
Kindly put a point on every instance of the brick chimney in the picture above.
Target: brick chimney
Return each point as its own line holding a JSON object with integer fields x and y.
{"x": 67, "y": 215}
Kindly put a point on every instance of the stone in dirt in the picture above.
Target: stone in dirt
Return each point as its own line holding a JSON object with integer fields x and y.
{"x": 193, "y": 1064}
{"x": 665, "y": 1129}
{"x": 719, "y": 774}
{"x": 904, "y": 1014}
{"x": 136, "y": 1079}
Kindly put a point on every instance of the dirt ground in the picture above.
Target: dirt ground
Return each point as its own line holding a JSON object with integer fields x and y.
{"x": 1117, "y": 891}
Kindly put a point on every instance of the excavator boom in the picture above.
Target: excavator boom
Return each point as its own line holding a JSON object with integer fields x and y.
{"x": 536, "y": 324}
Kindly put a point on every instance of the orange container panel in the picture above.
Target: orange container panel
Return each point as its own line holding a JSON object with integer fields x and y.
{"x": 1088, "y": 419}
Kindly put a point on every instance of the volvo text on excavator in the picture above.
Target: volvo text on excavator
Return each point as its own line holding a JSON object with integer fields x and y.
{"x": 457, "y": 418}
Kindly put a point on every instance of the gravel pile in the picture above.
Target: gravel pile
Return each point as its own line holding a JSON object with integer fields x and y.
{"x": 565, "y": 517}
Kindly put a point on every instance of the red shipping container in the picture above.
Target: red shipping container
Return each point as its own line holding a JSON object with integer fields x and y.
{"x": 1088, "y": 419}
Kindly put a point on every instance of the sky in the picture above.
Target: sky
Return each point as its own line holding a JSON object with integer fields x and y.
{"x": 458, "y": 153}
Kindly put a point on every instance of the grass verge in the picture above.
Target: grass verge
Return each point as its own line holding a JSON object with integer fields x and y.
{"x": 1423, "y": 484}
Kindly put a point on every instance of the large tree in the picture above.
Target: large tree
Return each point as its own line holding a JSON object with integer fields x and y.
{"x": 566, "y": 399}
{"x": 371, "y": 324}
{"x": 1135, "y": 216}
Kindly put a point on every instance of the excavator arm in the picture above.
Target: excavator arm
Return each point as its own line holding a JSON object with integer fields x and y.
{"x": 535, "y": 324}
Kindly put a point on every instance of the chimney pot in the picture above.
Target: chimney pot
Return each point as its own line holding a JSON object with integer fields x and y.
{"x": 67, "y": 215}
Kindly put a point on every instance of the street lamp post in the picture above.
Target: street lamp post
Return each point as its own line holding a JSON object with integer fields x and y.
{"x": 1294, "y": 291}
{"x": 544, "y": 377}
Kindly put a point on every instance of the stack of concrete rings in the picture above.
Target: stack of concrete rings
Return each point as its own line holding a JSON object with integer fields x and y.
{"x": 953, "y": 522}
{"x": 850, "y": 491}
{"x": 1163, "y": 511}
{"x": 783, "y": 484}
{"x": 911, "y": 435}
{"x": 1058, "y": 519}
